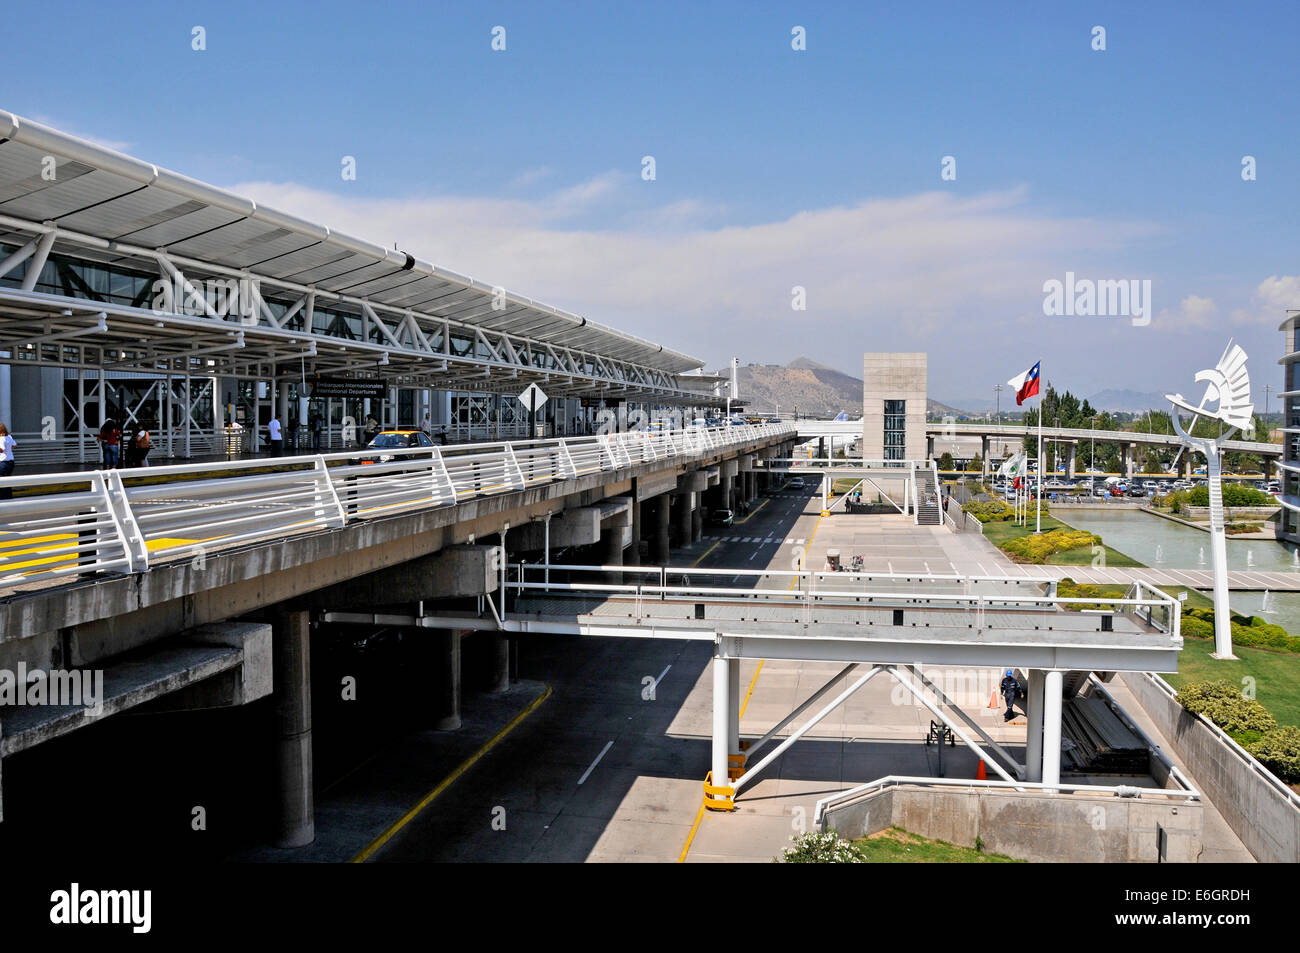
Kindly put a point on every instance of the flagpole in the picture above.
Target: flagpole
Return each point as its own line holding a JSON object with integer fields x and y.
{"x": 1038, "y": 528}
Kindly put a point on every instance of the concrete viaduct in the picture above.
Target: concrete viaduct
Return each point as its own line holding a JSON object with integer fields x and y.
{"x": 233, "y": 625}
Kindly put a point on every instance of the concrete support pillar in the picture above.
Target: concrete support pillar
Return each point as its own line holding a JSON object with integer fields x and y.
{"x": 1185, "y": 465}
{"x": 659, "y": 540}
{"x": 929, "y": 447}
{"x": 1268, "y": 467}
{"x": 447, "y": 674}
{"x": 821, "y": 447}
{"x": 498, "y": 664}
{"x": 611, "y": 552}
{"x": 984, "y": 452}
{"x": 633, "y": 556}
{"x": 296, "y": 814}
{"x": 1069, "y": 460}
{"x": 684, "y": 519}
{"x": 697, "y": 524}
{"x": 1034, "y": 738}
{"x": 1130, "y": 459}
{"x": 726, "y": 492}
{"x": 1052, "y": 728}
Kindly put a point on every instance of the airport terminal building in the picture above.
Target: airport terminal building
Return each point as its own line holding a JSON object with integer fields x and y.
{"x": 132, "y": 292}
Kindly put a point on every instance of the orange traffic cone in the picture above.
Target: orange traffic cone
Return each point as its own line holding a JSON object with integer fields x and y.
{"x": 980, "y": 773}
{"x": 993, "y": 700}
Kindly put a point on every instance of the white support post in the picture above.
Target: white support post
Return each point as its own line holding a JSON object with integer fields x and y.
{"x": 721, "y": 717}
{"x": 1034, "y": 736}
{"x": 733, "y": 706}
{"x": 1052, "y": 727}
{"x": 37, "y": 264}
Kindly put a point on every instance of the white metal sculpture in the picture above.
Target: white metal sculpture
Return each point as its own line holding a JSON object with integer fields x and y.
{"x": 1228, "y": 386}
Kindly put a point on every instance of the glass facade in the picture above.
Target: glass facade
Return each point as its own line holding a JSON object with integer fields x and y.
{"x": 895, "y": 430}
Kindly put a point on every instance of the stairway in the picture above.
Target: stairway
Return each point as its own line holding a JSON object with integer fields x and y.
{"x": 927, "y": 499}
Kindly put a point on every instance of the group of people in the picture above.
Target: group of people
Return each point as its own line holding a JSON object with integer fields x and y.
{"x": 120, "y": 450}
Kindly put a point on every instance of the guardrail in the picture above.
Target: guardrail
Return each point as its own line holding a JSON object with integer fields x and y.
{"x": 123, "y": 520}
{"x": 896, "y": 780}
{"x": 808, "y": 591}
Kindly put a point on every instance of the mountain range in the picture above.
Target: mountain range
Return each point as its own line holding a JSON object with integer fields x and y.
{"x": 813, "y": 388}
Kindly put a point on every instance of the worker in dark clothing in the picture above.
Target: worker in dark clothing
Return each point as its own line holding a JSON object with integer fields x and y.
{"x": 1010, "y": 691}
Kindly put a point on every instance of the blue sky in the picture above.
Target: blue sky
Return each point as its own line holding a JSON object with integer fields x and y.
{"x": 775, "y": 168}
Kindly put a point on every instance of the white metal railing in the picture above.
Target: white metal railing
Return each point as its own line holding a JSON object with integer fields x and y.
{"x": 71, "y": 523}
{"x": 970, "y": 784}
{"x": 807, "y": 590}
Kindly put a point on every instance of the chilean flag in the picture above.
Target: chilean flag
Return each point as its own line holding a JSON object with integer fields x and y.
{"x": 1025, "y": 385}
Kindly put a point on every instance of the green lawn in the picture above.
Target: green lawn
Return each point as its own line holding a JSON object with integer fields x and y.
{"x": 999, "y": 533}
{"x": 897, "y": 846}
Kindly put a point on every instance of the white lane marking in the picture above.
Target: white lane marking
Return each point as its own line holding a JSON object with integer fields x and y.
{"x": 659, "y": 679}
{"x": 608, "y": 745}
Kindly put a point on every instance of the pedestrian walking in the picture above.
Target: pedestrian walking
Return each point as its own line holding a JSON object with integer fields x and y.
{"x": 277, "y": 438}
{"x": 110, "y": 443}
{"x": 315, "y": 431}
{"x": 1010, "y": 691}
{"x": 7, "y": 444}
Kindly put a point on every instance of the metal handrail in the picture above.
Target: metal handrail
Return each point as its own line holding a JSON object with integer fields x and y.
{"x": 807, "y": 588}
{"x": 895, "y": 780}
{"x": 80, "y": 522}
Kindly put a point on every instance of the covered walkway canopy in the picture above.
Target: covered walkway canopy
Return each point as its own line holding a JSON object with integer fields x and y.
{"x": 127, "y": 266}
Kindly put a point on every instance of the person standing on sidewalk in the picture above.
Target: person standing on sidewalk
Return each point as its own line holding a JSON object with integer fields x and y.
{"x": 277, "y": 439}
{"x": 7, "y": 444}
{"x": 110, "y": 442}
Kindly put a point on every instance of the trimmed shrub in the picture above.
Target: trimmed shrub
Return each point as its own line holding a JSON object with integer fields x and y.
{"x": 989, "y": 511}
{"x": 1248, "y": 630}
{"x": 1279, "y": 751}
{"x": 821, "y": 847}
{"x": 1037, "y": 548}
{"x": 1223, "y": 704}
{"x": 1234, "y": 494}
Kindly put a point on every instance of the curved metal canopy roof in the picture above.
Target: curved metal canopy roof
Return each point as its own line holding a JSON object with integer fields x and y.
{"x": 114, "y": 197}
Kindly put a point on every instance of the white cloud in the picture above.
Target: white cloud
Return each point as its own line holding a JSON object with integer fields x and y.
{"x": 883, "y": 274}
{"x": 1194, "y": 311}
{"x": 1270, "y": 301}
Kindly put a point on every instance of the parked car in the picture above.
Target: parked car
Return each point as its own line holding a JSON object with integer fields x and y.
{"x": 1137, "y": 491}
{"x": 394, "y": 440}
{"x": 721, "y": 518}
{"x": 795, "y": 484}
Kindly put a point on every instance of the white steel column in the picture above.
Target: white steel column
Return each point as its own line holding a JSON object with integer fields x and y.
{"x": 166, "y": 422}
{"x": 81, "y": 414}
{"x": 189, "y": 410}
{"x": 1052, "y": 728}
{"x": 1034, "y": 738}
{"x": 721, "y": 718}
{"x": 733, "y": 704}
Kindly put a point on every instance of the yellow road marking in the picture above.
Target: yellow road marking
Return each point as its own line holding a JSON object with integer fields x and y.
{"x": 690, "y": 838}
{"x": 752, "y": 513}
{"x": 447, "y": 782}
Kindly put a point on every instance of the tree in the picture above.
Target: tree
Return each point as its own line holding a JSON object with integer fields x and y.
{"x": 945, "y": 461}
{"x": 976, "y": 463}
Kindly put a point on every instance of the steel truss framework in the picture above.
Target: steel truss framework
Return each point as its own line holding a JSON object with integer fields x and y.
{"x": 277, "y": 335}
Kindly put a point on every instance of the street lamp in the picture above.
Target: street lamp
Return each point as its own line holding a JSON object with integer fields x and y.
{"x": 1268, "y": 389}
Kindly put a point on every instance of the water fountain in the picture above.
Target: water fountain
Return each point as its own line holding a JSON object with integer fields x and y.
{"x": 1295, "y": 558}
{"x": 1250, "y": 558}
{"x": 1160, "y": 554}
{"x": 1201, "y": 558}
{"x": 1266, "y": 604}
